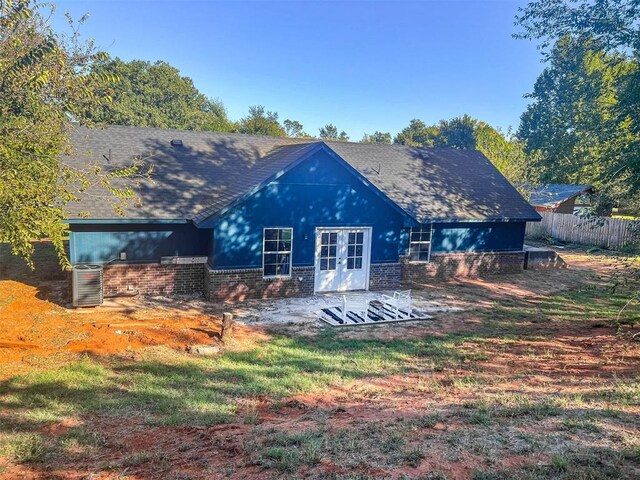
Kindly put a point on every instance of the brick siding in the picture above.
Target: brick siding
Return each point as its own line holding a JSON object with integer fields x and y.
{"x": 450, "y": 265}
{"x": 542, "y": 258}
{"x": 239, "y": 285}
{"x": 153, "y": 279}
{"x": 384, "y": 276}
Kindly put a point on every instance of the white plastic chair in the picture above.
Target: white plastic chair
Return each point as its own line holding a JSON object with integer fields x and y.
{"x": 357, "y": 305}
{"x": 399, "y": 303}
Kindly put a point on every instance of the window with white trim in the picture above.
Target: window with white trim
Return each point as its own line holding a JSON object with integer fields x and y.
{"x": 420, "y": 243}
{"x": 276, "y": 248}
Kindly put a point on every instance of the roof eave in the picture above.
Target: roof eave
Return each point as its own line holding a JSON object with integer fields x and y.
{"x": 536, "y": 218}
{"x": 86, "y": 221}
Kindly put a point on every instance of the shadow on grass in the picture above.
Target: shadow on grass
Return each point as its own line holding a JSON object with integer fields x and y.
{"x": 187, "y": 390}
{"x": 178, "y": 390}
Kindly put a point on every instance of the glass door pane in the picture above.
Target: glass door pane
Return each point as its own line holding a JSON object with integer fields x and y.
{"x": 355, "y": 249}
{"x": 328, "y": 251}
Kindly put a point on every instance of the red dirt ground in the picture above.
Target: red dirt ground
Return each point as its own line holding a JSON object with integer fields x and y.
{"x": 37, "y": 333}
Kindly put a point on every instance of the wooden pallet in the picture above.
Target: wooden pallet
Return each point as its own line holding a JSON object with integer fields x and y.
{"x": 333, "y": 316}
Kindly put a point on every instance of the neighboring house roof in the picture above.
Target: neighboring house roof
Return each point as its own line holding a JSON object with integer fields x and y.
{"x": 213, "y": 170}
{"x": 552, "y": 195}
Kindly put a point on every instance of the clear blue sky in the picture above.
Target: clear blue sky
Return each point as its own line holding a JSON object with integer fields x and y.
{"x": 361, "y": 65}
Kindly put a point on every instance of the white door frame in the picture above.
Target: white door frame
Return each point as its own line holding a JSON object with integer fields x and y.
{"x": 366, "y": 254}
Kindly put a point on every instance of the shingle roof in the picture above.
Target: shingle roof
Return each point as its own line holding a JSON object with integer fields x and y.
{"x": 555, "y": 193}
{"x": 242, "y": 183}
{"x": 438, "y": 183}
{"x": 212, "y": 170}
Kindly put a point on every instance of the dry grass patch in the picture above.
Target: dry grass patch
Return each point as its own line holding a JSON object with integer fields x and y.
{"x": 531, "y": 382}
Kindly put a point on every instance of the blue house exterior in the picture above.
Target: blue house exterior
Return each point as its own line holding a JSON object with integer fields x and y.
{"x": 102, "y": 243}
{"x": 319, "y": 192}
{"x": 298, "y": 218}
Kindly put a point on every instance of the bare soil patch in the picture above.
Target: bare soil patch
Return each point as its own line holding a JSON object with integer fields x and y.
{"x": 530, "y": 380}
{"x": 38, "y": 333}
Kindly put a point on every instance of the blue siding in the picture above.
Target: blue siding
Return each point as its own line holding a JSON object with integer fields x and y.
{"x": 142, "y": 243}
{"x": 320, "y": 192}
{"x": 476, "y": 237}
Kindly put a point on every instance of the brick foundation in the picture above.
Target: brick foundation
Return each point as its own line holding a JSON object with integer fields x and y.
{"x": 239, "y": 285}
{"x": 153, "y": 279}
{"x": 449, "y": 265}
{"x": 384, "y": 276}
{"x": 542, "y": 258}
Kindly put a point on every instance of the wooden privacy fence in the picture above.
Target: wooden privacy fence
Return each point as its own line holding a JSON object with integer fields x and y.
{"x": 604, "y": 232}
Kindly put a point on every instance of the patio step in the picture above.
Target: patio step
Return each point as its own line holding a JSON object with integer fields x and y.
{"x": 333, "y": 316}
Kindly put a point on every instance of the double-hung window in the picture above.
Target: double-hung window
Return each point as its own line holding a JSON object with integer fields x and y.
{"x": 276, "y": 256}
{"x": 420, "y": 243}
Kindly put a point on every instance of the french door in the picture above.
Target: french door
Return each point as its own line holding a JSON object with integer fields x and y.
{"x": 342, "y": 259}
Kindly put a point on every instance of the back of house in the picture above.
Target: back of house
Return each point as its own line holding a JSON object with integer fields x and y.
{"x": 238, "y": 216}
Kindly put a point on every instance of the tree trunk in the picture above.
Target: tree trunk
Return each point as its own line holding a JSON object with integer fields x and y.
{"x": 227, "y": 327}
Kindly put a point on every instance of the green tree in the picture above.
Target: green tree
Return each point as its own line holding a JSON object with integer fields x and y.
{"x": 612, "y": 24}
{"x": 330, "y": 132}
{"x": 464, "y": 132}
{"x": 295, "y": 129}
{"x": 377, "y": 137}
{"x": 417, "y": 134}
{"x": 592, "y": 48}
{"x": 261, "y": 122}
{"x": 505, "y": 152}
{"x": 576, "y": 126}
{"x": 156, "y": 95}
{"x": 459, "y": 132}
{"x": 46, "y": 79}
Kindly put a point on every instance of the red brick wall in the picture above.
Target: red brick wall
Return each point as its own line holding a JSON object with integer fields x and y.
{"x": 540, "y": 258}
{"x": 450, "y": 265}
{"x": 239, "y": 285}
{"x": 384, "y": 276}
{"x": 153, "y": 279}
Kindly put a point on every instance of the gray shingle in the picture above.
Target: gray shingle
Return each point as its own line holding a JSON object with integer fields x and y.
{"x": 209, "y": 171}
{"x": 212, "y": 170}
{"x": 438, "y": 183}
{"x": 555, "y": 193}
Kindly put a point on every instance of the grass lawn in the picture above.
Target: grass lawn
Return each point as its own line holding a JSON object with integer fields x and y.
{"x": 521, "y": 385}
